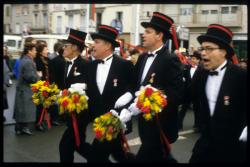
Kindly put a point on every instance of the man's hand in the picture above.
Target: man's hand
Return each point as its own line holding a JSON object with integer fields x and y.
{"x": 123, "y": 100}
{"x": 125, "y": 115}
{"x": 134, "y": 110}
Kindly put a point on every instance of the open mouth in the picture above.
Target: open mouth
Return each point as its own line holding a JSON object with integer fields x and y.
{"x": 205, "y": 60}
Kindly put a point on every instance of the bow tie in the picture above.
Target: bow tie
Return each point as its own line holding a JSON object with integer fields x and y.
{"x": 150, "y": 55}
{"x": 69, "y": 62}
{"x": 213, "y": 73}
{"x": 98, "y": 61}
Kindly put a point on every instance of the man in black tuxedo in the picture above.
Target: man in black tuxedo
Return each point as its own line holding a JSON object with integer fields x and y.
{"x": 109, "y": 78}
{"x": 190, "y": 72}
{"x": 75, "y": 72}
{"x": 163, "y": 71}
{"x": 221, "y": 88}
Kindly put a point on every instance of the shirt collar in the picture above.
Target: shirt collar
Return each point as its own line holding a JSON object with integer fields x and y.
{"x": 221, "y": 67}
{"x": 72, "y": 60}
{"x": 107, "y": 58}
{"x": 154, "y": 52}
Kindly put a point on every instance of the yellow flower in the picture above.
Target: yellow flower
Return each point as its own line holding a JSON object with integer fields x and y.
{"x": 36, "y": 101}
{"x": 147, "y": 116}
{"x": 108, "y": 137}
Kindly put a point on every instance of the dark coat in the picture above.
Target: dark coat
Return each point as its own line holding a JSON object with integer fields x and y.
{"x": 220, "y": 133}
{"x": 24, "y": 108}
{"x": 121, "y": 73}
{"x": 42, "y": 65}
{"x": 57, "y": 70}
{"x": 168, "y": 78}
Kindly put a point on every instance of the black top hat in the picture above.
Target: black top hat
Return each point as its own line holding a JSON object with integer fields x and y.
{"x": 77, "y": 37}
{"x": 196, "y": 54}
{"x": 160, "y": 22}
{"x": 219, "y": 35}
{"x": 107, "y": 33}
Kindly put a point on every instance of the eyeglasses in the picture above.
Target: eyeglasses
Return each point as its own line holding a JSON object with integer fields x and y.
{"x": 207, "y": 50}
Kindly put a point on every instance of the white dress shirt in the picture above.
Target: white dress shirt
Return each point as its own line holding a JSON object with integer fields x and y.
{"x": 102, "y": 72}
{"x": 213, "y": 87}
{"x": 69, "y": 68}
{"x": 149, "y": 62}
{"x": 192, "y": 71}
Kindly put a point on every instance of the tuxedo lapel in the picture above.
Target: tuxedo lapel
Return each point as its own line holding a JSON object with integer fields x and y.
{"x": 151, "y": 69}
{"x": 110, "y": 77}
{"x": 224, "y": 89}
{"x": 145, "y": 57}
{"x": 92, "y": 71}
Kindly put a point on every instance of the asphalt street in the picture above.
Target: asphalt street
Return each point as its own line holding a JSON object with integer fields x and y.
{"x": 44, "y": 146}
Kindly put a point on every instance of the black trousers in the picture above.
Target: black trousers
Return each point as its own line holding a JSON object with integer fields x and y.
{"x": 67, "y": 146}
{"x": 102, "y": 150}
{"x": 153, "y": 153}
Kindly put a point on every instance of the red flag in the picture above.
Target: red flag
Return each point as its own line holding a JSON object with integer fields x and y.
{"x": 93, "y": 11}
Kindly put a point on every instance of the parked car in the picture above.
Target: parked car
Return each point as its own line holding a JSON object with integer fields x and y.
{"x": 14, "y": 43}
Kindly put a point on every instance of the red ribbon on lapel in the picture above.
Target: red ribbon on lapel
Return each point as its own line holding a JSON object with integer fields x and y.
{"x": 234, "y": 59}
{"x": 76, "y": 131}
{"x": 164, "y": 140}
{"x": 44, "y": 113}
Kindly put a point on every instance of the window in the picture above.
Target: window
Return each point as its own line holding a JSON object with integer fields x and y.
{"x": 186, "y": 11}
{"x": 119, "y": 16}
{"x": 225, "y": 10}
{"x": 214, "y": 11}
{"x": 204, "y": 12}
{"x": 59, "y": 24}
{"x": 71, "y": 21}
{"x": 234, "y": 9}
{"x": 11, "y": 43}
{"x": 7, "y": 11}
{"x": 98, "y": 19}
{"x": 36, "y": 19}
{"x": 45, "y": 19}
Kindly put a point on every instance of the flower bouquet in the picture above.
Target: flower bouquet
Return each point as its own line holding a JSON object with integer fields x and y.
{"x": 44, "y": 94}
{"x": 73, "y": 101}
{"x": 150, "y": 101}
{"x": 108, "y": 127}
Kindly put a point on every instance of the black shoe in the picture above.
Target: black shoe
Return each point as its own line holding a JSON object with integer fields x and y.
{"x": 55, "y": 123}
{"x": 40, "y": 128}
{"x": 27, "y": 131}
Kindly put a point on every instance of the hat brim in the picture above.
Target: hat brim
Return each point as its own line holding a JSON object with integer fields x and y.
{"x": 218, "y": 41}
{"x": 100, "y": 36}
{"x": 154, "y": 25}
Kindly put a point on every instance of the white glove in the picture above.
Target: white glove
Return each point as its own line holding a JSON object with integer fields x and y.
{"x": 134, "y": 110}
{"x": 125, "y": 115}
{"x": 115, "y": 113}
{"x": 123, "y": 100}
{"x": 243, "y": 136}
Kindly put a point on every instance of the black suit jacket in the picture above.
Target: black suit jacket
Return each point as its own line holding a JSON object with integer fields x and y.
{"x": 57, "y": 70}
{"x": 79, "y": 66}
{"x": 222, "y": 130}
{"x": 168, "y": 77}
{"x": 121, "y": 71}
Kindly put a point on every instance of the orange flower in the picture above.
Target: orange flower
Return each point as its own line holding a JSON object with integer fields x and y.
{"x": 65, "y": 103}
{"x": 148, "y": 92}
{"x": 75, "y": 98}
{"x": 34, "y": 89}
{"x": 110, "y": 130}
{"x": 46, "y": 83}
{"x": 145, "y": 109}
{"x": 44, "y": 94}
{"x": 98, "y": 134}
{"x": 65, "y": 92}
